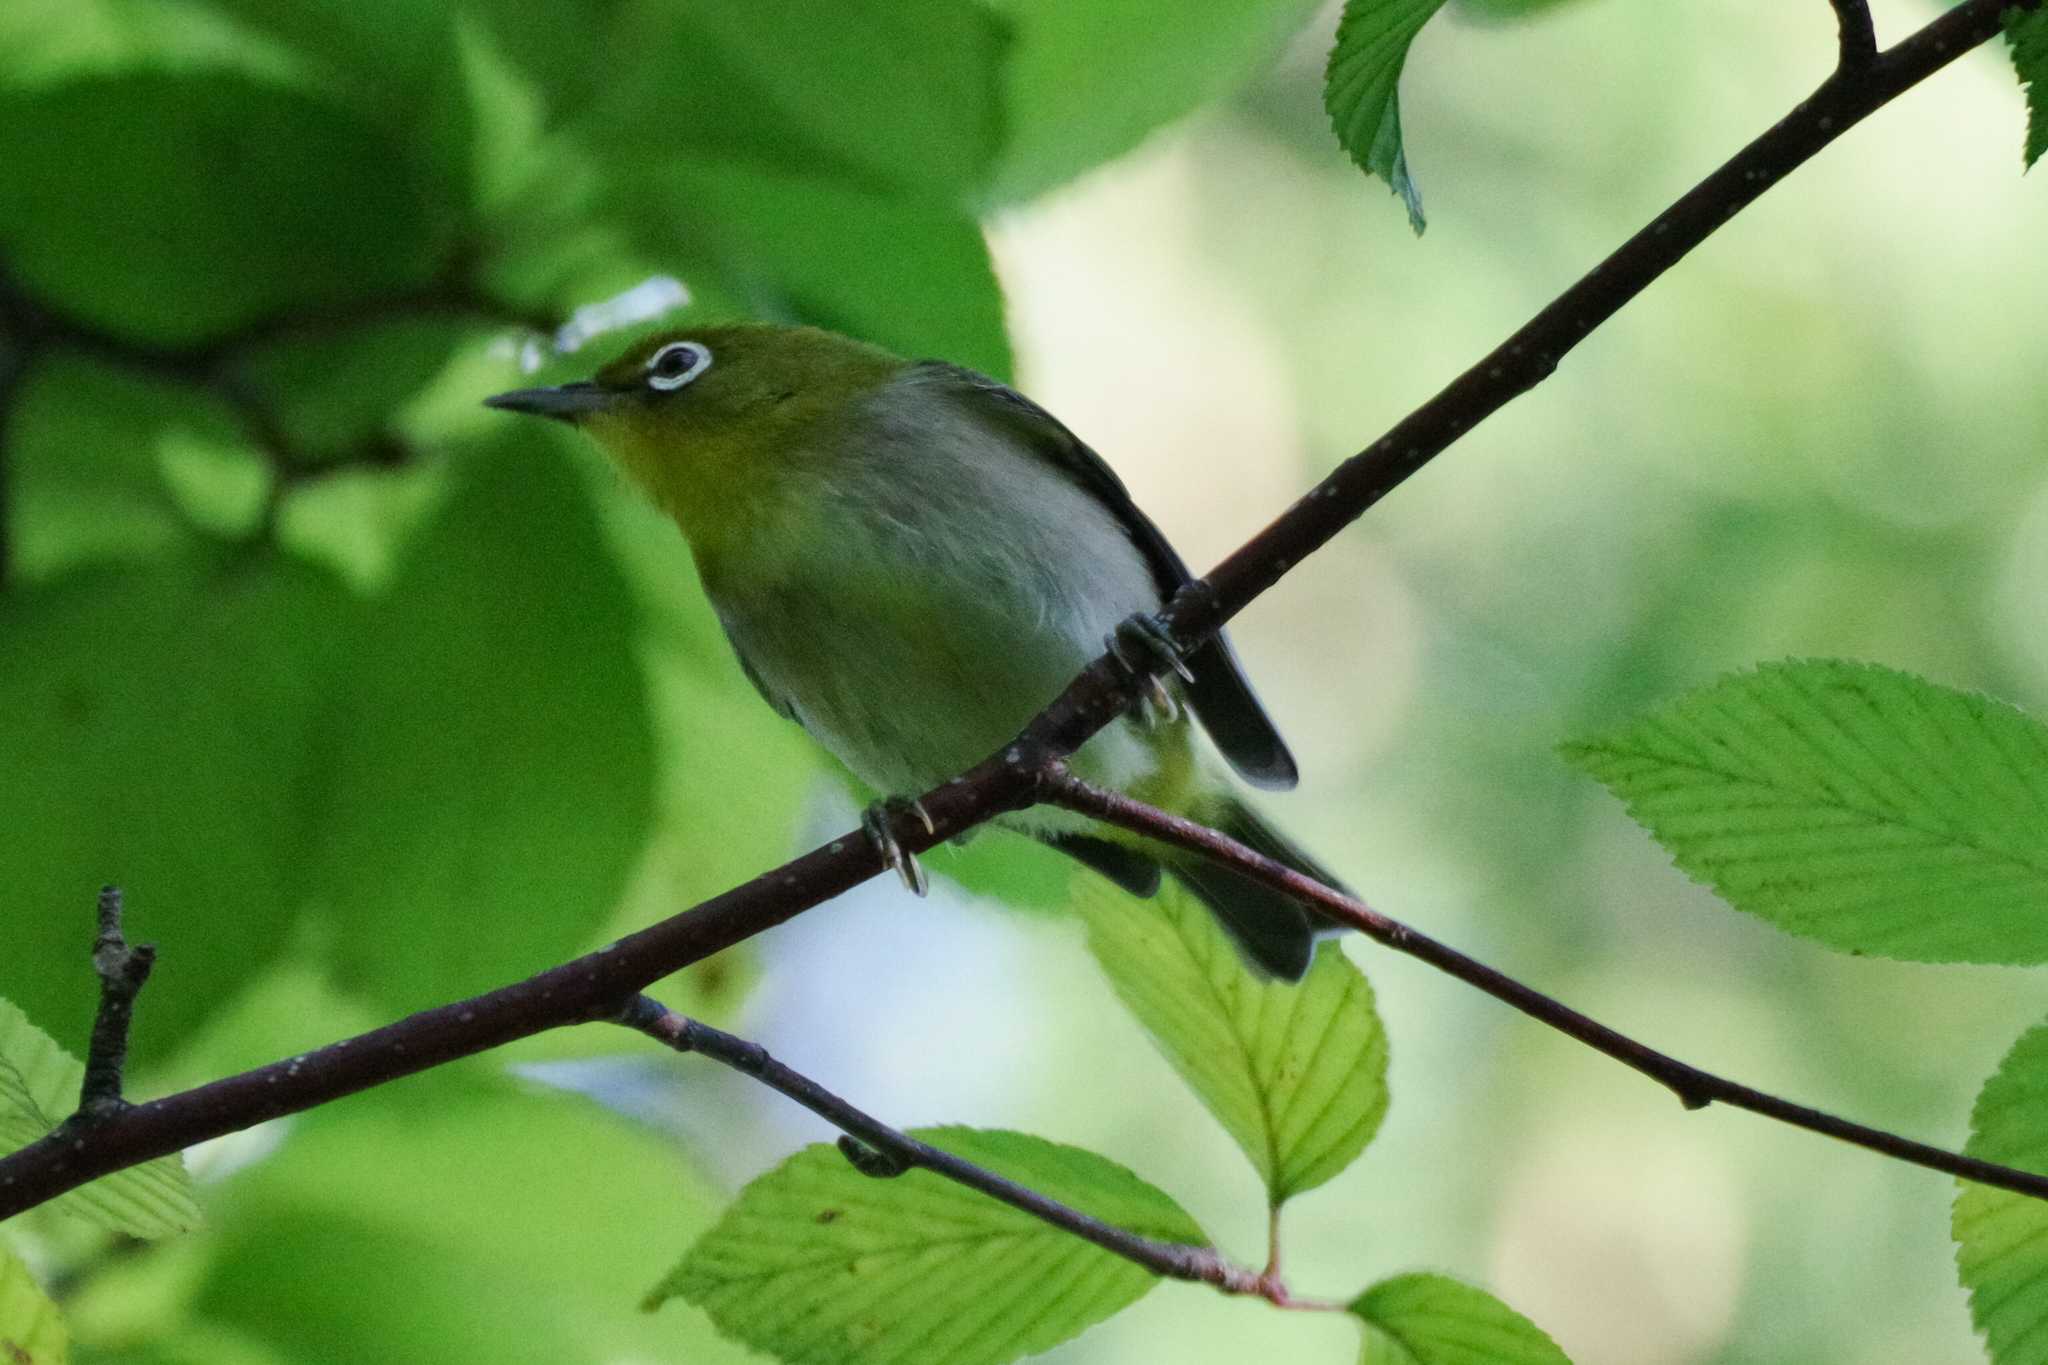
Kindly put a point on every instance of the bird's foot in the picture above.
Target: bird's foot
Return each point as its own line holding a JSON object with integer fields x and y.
{"x": 875, "y": 822}
{"x": 1144, "y": 648}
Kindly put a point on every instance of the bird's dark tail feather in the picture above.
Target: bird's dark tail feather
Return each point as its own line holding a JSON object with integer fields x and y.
{"x": 1275, "y": 934}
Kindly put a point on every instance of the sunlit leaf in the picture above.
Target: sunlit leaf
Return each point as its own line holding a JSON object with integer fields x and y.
{"x": 31, "y": 1329}
{"x": 1361, "y": 88}
{"x": 492, "y": 764}
{"x": 1434, "y": 1320}
{"x": 459, "y": 1220}
{"x": 2002, "y": 1237}
{"x": 818, "y": 1264}
{"x": 38, "y": 1089}
{"x": 1867, "y": 809}
{"x": 1295, "y": 1073}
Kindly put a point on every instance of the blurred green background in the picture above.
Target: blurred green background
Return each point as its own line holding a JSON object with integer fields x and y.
{"x": 371, "y": 698}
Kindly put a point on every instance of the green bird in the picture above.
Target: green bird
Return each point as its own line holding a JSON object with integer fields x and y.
{"x": 911, "y": 560}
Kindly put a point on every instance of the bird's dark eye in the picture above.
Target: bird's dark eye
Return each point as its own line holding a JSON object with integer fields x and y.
{"x": 676, "y": 364}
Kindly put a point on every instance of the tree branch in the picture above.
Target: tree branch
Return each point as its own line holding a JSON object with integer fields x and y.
{"x": 1695, "y": 1089}
{"x": 876, "y": 1149}
{"x": 1858, "y": 32}
{"x": 122, "y": 971}
{"x": 584, "y": 989}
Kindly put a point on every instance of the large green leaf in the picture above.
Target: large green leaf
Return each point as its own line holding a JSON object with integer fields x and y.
{"x": 2028, "y": 35}
{"x": 38, "y": 1089}
{"x": 909, "y": 275}
{"x": 2002, "y": 1237}
{"x": 31, "y": 1329}
{"x": 905, "y": 91}
{"x": 1089, "y": 78}
{"x": 458, "y": 1220}
{"x": 1295, "y": 1073}
{"x": 1361, "y": 88}
{"x": 818, "y": 1264}
{"x": 214, "y": 199}
{"x": 1867, "y": 809}
{"x": 1423, "y": 1319}
{"x": 159, "y": 736}
{"x": 86, "y": 453}
{"x": 492, "y": 765}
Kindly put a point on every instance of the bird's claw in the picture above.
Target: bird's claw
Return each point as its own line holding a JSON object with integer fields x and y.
{"x": 875, "y": 822}
{"x": 1144, "y": 648}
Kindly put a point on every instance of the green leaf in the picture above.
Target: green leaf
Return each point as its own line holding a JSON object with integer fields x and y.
{"x": 87, "y": 446}
{"x": 908, "y": 275}
{"x": 160, "y": 737}
{"x": 215, "y": 200}
{"x": 457, "y": 1219}
{"x": 1361, "y": 88}
{"x": 2028, "y": 34}
{"x": 818, "y": 1264}
{"x": 31, "y": 1329}
{"x": 493, "y": 767}
{"x": 904, "y": 91}
{"x": 38, "y": 1089}
{"x": 1867, "y": 809}
{"x": 1433, "y": 1320}
{"x": 1295, "y": 1073}
{"x": 1088, "y": 79}
{"x": 2002, "y": 1237}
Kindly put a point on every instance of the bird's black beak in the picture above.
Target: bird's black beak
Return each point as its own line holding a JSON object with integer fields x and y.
{"x": 565, "y": 403}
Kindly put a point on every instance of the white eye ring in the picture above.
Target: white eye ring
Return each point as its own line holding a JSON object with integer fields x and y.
{"x": 676, "y": 364}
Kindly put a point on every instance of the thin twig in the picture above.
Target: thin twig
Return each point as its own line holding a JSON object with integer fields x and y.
{"x": 1858, "y": 32}
{"x": 1694, "y": 1088}
{"x": 584, "y": 988}
{"x": 875, "y": 1149}
{"x": 122, "y": 970}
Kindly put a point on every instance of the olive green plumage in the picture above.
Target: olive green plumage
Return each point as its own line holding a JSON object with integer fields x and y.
{"x": 911, "y": 560}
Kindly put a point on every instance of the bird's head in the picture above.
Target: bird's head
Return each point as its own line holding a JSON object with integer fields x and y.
{"x": 713, "y": 422}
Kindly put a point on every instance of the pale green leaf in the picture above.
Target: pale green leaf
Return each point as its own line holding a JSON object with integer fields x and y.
{"x": 492, "y": 777}
{"x": 38, "y": 1090}
{"x": 818, "y": 1264}
{"x": 1295, "y": 1073}
{"x": 32, "y": 1331}
{"x": 1361, "y": 88}
{"x": 2028, "y": 35}
{"x": 1433, "y": 1320}
{"x": 2002, "y": 1237}
{"x": 1865, "y": 808}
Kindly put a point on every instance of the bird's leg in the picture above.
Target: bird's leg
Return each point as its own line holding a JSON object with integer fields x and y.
{"x": 875, "y": 822}
{"x": 1144, "y": 648}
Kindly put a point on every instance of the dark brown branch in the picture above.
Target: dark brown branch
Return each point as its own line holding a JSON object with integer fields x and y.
{"x": 122, "y": 971}
{"x": 876, "y": 1149}
{"x": 1858, "y": 32}
{"x": 585, "y": 988}
{"x": 1695, "y": 1089}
